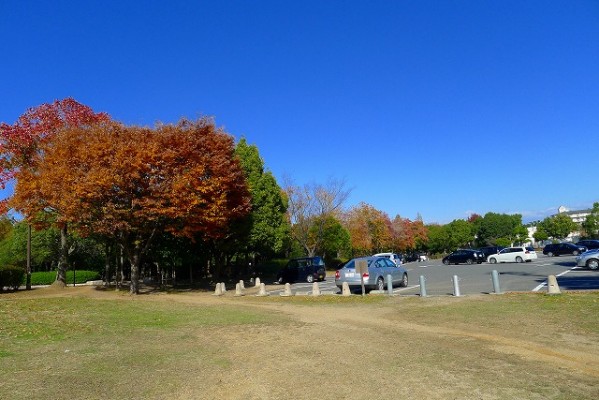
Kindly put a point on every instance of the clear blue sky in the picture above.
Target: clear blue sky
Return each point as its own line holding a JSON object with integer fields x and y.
{"x": 441, "y": 108}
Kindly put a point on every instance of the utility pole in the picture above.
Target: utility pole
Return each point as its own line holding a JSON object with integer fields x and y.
{"x": 28, "y": 282}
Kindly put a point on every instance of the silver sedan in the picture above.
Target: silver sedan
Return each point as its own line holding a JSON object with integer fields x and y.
{"x": 589, "y": 259}
{"x": 374, "y": 279}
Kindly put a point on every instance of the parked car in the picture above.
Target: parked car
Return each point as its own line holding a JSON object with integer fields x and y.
{"x": 396, "y": 258}
{"x": 488, "y": 250}
{"x": 559, "y": 249}
{"x": 375, "y": 278}
{"x": 589, "y": 259}
{"x": 409, "y": 257}
{"x": 589, "y": 244}
{"x": 468, "y": 256}
{"x": 513, "y": 254}
{"x": 306, "y": 269}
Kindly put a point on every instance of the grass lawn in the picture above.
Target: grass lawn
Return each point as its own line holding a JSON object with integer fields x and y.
{"x": 83, "y": 343}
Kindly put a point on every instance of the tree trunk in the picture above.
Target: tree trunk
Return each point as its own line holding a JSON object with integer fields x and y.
{"x": 61, "y": 276}
{"x": 107, "y": 264}
{"x": 135, "y": 260}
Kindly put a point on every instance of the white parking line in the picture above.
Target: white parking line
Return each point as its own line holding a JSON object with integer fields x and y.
{"x": 406, "y": 288}
{"x": 542, "y": 285}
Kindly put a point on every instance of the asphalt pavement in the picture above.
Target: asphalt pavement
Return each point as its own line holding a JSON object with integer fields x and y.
{"x": 477, "y": 278}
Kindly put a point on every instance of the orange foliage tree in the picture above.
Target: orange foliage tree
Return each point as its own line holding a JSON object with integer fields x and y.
{"x": 21, "y": 143}
{"x": 407, "y": 234}
{"x": 370, "y": 229}
{"x": 131, "y": 183}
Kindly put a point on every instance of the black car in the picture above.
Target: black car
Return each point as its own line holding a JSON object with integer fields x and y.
{"x": 589, "y": 244}
{"x": 558, "y": 249}
{"x": 468, "y": 256}
{"x": 306, "y": 269}
{"x": 487, "y": 251}
{"x": 409, "y": 257}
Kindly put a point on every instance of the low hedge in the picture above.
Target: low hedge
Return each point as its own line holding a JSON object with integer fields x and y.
{"x": 48, "y": 278}
{"x": 11, "y": 277}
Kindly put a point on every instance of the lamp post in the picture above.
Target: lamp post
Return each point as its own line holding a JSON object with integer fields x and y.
{"x": 28, "y": 281}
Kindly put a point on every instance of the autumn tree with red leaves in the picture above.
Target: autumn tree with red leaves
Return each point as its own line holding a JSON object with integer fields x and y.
{"x": 132, "y": 183}
{"x": 21, "y": 144}
{"x": 370, "y": 229}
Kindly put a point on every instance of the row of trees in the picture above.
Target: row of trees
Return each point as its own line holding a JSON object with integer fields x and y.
{"x": 186, "y": 194}
{"x": 140, "y": 189}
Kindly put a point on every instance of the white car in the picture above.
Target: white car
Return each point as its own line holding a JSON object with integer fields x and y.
{"x": 513, "y": 254}
{"x": 391, "y": 256}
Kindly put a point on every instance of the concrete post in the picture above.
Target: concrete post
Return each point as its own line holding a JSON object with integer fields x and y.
{"x": 345, "y": 289}
{"x": 287, "y": 291}
{"x": 552, "y": 286}
{"x": 389, "y": 285}
{"x": 257, "y": 282}
{"x": 242, "y": 284}
{"x": 217, "y": 290}
{"x": 262, "y": 291}
{"x": 495, "y": 278}
{"x": 223, "y": 287}
{"x": 422, "y": 286}
{"x": 315, "y": 289}
{"x": 239, "y": 290}
{"x": 456, "y": 286}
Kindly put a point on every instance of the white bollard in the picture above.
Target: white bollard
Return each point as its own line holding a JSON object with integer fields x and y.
{"x": 456, "y": 286}
{"x": 345, "y": 289}
{"x": 257, "y": 282}
{"x": 315, "y": 289}
{"x": 262, "y": 291}
{"x": 239, "y": 290}
{"x": 217, "y": 290}
{"x": 552, "y": 286}
{"x": 242, "y": 284}
{"x": 223, "y": 287}
{"x": 287, "y": 292}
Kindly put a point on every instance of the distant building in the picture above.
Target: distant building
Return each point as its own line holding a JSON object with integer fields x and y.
{"x": 578, "y": 216}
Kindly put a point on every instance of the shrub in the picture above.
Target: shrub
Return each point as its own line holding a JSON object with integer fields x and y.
{"x": 49, "y": 277}
{"x": 11, "y": 277}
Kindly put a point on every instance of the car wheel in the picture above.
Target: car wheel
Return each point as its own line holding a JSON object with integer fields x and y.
{"x": 446, "y": 262}
{"x": 593, "y": 264}
{"x": 310, "y": 278}
{"x": 519, "y": 259}
{"x": 380, "y": 284}
{"x": 575, "y": 253}
{"x": 550, "y": 254}
{"x": 469, "y": 261}
{"x": 404, "y": 281}
{"x": 493, "y": 260}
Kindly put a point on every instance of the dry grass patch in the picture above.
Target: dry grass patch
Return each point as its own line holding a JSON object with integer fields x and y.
{"x": 88, "y": 344}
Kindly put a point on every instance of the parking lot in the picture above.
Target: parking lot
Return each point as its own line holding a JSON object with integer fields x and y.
{"x": 476, "y": 278}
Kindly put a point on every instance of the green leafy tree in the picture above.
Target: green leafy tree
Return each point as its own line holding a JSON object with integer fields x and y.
{"x": 494, "y": 226}
{"x": 45, "y": 247}
{"x": 559, "y": 226}
{"x": 336, "y": 242}
{"x": 266, "y": 227}
{"x": 438, "y": 238}
{"x": 591, "y": 224}
{"x": 540, "y": 235}
{"x": 459, "y": 233}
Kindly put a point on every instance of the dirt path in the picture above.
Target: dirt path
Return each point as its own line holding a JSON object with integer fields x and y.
{"x": 330, "y": 344}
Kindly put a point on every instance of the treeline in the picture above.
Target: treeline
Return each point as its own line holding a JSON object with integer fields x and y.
{"x": 184, "y": 201}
